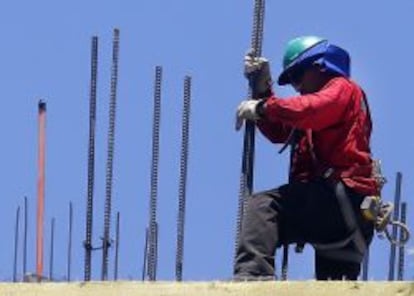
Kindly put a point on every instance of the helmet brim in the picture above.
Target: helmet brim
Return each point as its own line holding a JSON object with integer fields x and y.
{"x": 284, "y": 77}
{"x": 304, "y": 60}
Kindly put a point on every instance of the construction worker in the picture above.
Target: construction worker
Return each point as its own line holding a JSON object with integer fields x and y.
{"x": 328, "y": 128}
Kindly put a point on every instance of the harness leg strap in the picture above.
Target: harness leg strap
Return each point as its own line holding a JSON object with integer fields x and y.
{"x": 335, "y": 250}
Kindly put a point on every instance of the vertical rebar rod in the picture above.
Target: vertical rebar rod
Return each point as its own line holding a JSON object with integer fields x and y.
{"x": 152, "y": 242}
{"x": 285, "y": 262}
{"x": 185, "y": 129}
{"x": 25, "y": 237}
{"x": 118, "y": 215}
{"x": 365, "y": 266}
{"x": 401, "y": 248}
{"x": 397, "y": 198}
{"x": 91, "y": 159}
{"x": 16, "y": 243}
{"x": 52, "y": 249}
{"x": 246, "y": 178}
{"x": 285, "y": 255}
{"x": 109, "y": 167}
{"x": 69, "y": 263}
{"x": 41, "y": 190}
{"x": 145, "y": 262}
{"x": 154, "y": 268}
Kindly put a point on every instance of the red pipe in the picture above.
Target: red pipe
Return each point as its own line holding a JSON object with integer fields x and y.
{"x": 41, "y": 190}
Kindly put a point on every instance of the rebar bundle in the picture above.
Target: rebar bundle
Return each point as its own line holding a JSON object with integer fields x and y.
{"x": 183, "y": 179}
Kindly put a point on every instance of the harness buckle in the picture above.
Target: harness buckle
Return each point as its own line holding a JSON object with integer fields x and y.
{"x": 373, "y": 209}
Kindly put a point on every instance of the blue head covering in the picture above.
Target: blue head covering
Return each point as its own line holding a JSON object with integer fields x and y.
{"x": 333, "y": 58}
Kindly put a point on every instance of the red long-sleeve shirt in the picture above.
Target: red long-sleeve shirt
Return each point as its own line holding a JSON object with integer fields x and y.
{"x": 334, "y": 127}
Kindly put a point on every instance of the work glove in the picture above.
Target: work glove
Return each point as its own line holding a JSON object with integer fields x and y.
{"x": 257, "y": 71}
{"x": 248, "y": 110}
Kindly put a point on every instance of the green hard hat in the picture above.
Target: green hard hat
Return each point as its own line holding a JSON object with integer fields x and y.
{"x": 297, "y": 46}
{"x": 294, "y": 49}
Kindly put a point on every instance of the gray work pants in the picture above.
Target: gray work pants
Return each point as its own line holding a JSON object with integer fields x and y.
{"x": 298, "y": 212}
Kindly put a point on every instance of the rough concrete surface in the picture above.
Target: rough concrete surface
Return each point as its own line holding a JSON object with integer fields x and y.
{"x": 309, "y": 288}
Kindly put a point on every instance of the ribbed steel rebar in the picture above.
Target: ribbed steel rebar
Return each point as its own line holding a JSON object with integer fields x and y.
{"x": 69, "y": 263}
{"x": 246, "y": 178}
{"x": 365, "y": 266}
{"x": 258, "y": 25}
{"x": 109, "y": 165}
{"x": 145, "y": 261}
{"x": 401, "y": 249}
{"x": 285, "y": 262}
{"x": 152, "y": 242}
{"x": 397, "y": 198}
{"x": 154, "y": 267}
{"x": 25, "y": 237}
{"x": 118, "y": 217}
{"x": 183, "y": 179}
{"x": 16, "y": 243}
{"x": 91, "y": 160}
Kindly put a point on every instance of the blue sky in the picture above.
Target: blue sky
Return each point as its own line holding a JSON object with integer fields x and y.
{"x": 45, "y": 54}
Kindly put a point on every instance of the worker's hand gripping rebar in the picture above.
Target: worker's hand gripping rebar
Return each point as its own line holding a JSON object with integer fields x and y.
{"x": 246, "y": 178}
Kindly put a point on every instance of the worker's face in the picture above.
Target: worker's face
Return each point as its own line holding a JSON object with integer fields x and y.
{"x": 308, "y": 80}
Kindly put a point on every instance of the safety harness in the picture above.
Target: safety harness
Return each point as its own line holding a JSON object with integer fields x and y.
{"x": 373, "y": 209}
